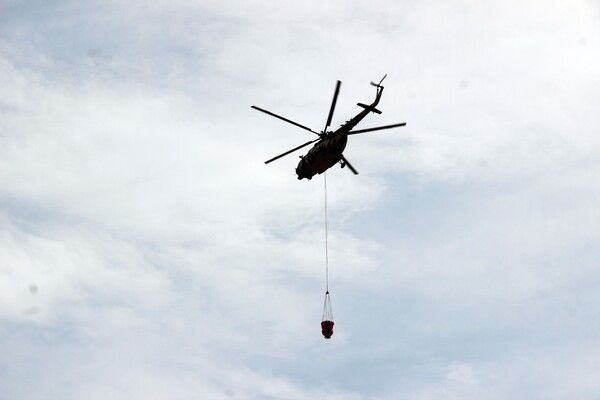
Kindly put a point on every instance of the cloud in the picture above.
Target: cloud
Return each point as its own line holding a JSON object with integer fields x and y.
{"x": 169, "y": 262}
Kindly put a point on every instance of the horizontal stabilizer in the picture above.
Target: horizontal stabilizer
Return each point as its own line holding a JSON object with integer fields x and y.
{"x": 368, "y": 107}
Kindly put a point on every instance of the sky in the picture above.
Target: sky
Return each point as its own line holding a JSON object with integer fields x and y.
{"x": 146, "y": 252}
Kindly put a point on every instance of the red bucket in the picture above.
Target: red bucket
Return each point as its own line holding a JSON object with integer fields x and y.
{"x": 327, "y": 329}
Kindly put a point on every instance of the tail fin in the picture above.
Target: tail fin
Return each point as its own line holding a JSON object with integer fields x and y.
{"x": 368, "y": 107}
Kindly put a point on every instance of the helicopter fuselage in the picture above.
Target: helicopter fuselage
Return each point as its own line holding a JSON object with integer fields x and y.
{"x": 329, "y": 151}
{"x": 323, "y": 155}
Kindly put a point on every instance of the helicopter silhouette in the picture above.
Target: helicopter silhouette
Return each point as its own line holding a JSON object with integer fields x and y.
{"x": 330, "y": 145}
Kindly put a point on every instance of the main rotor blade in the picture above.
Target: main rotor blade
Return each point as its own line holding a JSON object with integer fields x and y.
{"x": 376, "y": 128}
{"x": 333, "y": 102}
{"x": 349, "y": 165}
{"x": 284, "y": 119}
{"x": 292, "y": 150}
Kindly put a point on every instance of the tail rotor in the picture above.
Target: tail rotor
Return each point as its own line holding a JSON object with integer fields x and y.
{"x": 378, "y": 85}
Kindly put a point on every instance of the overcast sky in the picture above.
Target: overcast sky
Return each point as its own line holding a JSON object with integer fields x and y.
{"x": 146, "y": 252}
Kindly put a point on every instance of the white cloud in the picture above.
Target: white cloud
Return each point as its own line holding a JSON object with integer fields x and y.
{"x": 170, "y": 262}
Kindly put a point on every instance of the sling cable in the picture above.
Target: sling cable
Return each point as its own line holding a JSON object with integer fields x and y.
{"x": 327, "y": 320}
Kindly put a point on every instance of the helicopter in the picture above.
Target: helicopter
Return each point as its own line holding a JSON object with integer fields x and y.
{"x": 329, "y": 146}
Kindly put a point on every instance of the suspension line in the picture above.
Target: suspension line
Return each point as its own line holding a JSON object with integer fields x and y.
{"x": 326, "y": 237}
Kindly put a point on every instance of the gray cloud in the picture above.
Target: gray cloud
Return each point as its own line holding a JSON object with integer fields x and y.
{"x": 169, "y": 262}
